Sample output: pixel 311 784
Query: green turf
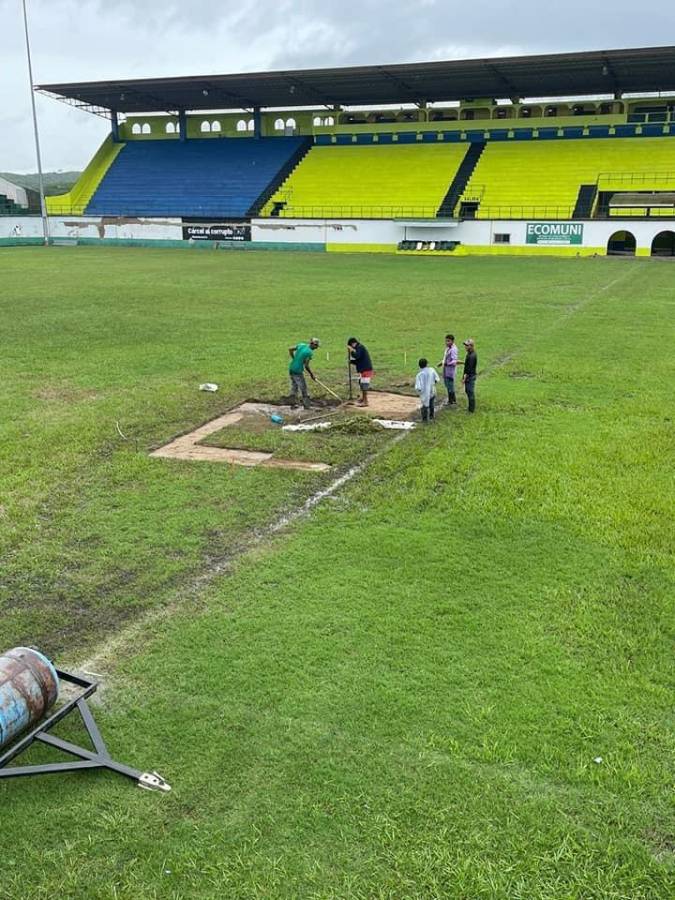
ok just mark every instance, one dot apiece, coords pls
pixel 349 439
pixel 404 696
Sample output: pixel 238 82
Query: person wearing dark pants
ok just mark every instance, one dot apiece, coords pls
pixel 360 358
pixel 301 355
pixel 425 385
pixel 449 364
pixel 429 412
pixel 470 373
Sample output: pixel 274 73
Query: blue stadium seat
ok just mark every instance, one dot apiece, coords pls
pixel 344 139
pixel 323 139
pixel 548 134
pixel 452 136
pixel 522 134
pixel 364 139
pixel 385 138
pixel 201 177
pixel 625 130
pixel 499 134
pixel 407 137
pixel 652 130
pixel 598 131
pixel 576 131
pixel 430 137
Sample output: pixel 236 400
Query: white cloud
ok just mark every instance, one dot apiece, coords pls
pixel 79 40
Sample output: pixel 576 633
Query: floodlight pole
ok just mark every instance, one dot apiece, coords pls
pixel 41 184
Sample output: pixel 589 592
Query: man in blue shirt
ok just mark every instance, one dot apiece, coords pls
pixel 360 358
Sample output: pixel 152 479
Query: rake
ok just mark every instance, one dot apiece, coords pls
pixel 330 390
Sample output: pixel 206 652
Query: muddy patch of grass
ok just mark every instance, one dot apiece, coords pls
pixel 349 438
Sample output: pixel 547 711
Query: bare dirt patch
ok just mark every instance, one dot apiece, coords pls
pixel 64 394
pixel 190 446
pixel 384 405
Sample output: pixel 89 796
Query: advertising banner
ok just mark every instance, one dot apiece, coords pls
pixel 549 234
pixel 216 231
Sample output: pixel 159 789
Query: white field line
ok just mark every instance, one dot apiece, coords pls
pixel 110 650
pixel 566 314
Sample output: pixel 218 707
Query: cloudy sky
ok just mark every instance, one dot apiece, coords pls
pixel 81 40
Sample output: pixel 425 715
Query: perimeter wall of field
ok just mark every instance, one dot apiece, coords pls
pixel 560 238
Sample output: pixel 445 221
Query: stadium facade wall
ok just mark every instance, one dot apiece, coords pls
pixel 14 193
pixel 348 235
pixel 474 236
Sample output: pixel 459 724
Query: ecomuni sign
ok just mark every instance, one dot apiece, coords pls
pixel 560 233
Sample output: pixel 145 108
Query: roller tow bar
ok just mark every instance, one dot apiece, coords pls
pixel 96 758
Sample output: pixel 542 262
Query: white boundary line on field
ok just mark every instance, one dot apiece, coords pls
pixel 566 314
pixel 113 645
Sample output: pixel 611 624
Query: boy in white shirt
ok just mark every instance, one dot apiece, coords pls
pixel 425 385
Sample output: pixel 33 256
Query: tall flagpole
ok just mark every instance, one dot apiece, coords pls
pixel 43 204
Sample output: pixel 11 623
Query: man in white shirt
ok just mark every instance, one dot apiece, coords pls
pixel 425 385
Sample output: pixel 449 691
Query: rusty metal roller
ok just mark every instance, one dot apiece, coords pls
pixel 29 687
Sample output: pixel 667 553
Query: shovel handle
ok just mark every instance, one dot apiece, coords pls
pixel 330 390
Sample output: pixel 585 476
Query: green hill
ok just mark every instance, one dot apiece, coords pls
pixel 55 182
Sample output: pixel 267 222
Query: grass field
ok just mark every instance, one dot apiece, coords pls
pixel 403 694
pixel 350 438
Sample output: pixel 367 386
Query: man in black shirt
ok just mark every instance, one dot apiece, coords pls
pixel 360 358
pixel 470 370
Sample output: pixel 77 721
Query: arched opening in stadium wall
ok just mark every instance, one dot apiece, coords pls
pixel 664 244
pixel 622 243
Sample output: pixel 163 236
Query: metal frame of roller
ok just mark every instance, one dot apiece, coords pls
pixel 98 758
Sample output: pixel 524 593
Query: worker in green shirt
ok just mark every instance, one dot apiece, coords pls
pixel 301 356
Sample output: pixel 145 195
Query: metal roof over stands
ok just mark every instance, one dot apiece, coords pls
pixel 553 75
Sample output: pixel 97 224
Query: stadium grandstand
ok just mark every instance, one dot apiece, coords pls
pixel 15 200
pixel 582 137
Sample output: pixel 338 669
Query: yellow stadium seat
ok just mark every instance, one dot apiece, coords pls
pixel 372 182
pixel 541 179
